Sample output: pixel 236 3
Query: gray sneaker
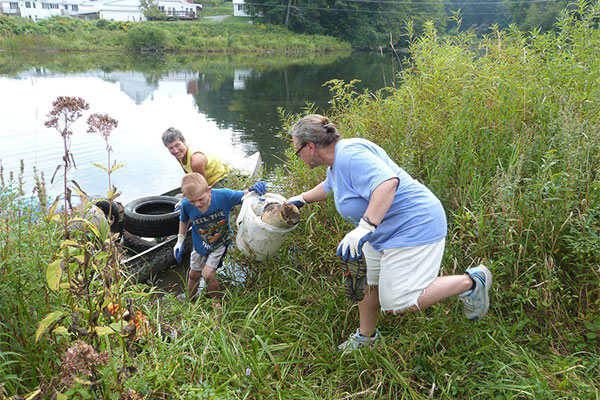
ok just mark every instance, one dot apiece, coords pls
pixel 357 341
pixel 477 301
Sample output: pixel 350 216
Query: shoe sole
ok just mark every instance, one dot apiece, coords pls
pixel 488 284
pixel 356 281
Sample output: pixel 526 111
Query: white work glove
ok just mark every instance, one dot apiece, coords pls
pixel 178 249
pixel 350 248
pixel 298 201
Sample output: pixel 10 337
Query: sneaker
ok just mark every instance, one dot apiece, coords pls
pixel 356 280
pixel 357 341
pixel 477 301
pixel 180 297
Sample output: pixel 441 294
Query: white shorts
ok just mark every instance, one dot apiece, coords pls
pixel 213 260
pixel 403 273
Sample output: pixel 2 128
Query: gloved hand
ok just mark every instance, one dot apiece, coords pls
pixel 178 248
pixel 298 201
pixel 178 206
pixel 350 247
pixel 259 187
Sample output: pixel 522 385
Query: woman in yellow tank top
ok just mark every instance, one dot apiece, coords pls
pixel 212 168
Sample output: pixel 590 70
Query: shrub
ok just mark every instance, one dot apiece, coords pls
pixel 146 37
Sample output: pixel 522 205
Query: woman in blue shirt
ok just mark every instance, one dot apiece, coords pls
pixel 400 228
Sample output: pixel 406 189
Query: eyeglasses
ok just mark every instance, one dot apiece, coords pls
pixel 300 149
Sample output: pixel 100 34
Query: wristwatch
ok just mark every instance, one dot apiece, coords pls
pixel 368 221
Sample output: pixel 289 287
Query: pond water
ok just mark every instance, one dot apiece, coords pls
pixel 224 104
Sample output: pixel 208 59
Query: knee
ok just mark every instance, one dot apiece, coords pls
pixel 195 275
pixel 208 274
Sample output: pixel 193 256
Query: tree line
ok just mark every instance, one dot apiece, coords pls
pixel 373 23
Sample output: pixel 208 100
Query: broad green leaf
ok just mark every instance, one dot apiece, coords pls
pixel 116 167
pixel 104 330
pixel 61 330
pixel 82 195
pixel 52 210
pixel 60 396
pixel 82 381
pixel 69 243
pixel 46 322
pixel 103 168
pixel 53 274
pixel 33 395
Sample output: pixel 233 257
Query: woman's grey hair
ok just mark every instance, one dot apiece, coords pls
pixel 317 129
pixel 171 135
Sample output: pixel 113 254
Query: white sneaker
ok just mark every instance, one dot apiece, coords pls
pixel 357 341
pixel 477 301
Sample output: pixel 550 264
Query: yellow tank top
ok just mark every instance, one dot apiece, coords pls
pixel 215 169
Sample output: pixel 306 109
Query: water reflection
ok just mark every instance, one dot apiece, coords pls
pixel 225 104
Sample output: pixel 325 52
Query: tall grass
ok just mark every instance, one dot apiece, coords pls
pixel 505 131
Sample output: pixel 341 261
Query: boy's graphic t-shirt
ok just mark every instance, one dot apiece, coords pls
pixel 211 229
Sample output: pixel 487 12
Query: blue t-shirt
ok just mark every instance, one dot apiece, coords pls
pixel 416 217
pixel 211 229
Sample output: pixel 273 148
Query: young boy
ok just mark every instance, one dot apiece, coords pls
pixel 208 210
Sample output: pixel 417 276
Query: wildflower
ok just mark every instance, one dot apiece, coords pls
pixel 101 124
pixel 65 111
pixel 80 358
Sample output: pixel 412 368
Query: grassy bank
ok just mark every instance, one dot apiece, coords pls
pixel 505 131
pixel 232 35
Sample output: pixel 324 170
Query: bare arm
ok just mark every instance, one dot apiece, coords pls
pixel 183 227
pixel 381 200
pixel 199 162
pixel 315 194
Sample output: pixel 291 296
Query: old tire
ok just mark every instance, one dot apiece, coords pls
pixel 105 206
pixel 152 216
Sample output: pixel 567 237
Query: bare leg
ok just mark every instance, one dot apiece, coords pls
pixel 442 288
pixel 212 285
pixel 368 310
pixel 193 282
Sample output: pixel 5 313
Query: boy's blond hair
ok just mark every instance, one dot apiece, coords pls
pixel 193 185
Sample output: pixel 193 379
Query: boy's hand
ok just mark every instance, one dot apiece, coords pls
pixel 259 187
pixel 178 249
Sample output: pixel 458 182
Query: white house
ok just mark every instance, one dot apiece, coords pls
pixel 36 9
pixel 112 10
pixel 10 7
pixel 238 8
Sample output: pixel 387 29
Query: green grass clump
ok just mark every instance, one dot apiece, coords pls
pixel 505 131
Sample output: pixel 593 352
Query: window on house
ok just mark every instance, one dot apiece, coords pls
pixel 33 4
pixel 45 6
pixel 239 7
pixel 75 7
pixel 27 4
pixel 55 6
pixel 14 5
